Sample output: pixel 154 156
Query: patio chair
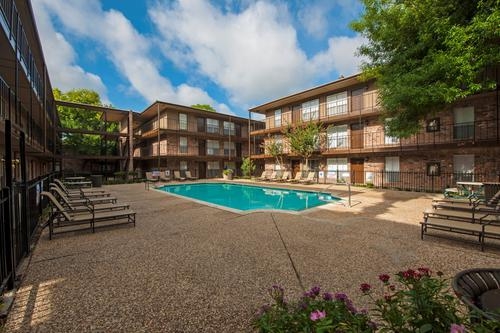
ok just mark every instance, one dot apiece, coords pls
pixel 153 178
pixel 78 191
pixel 263 176
pixel 479 289
pixel 62 218
pixel 80 194
pixel 81 204
pixel 177 176
pixel 297 178
pixel 273 176
pixel 81 201
pixel 189 176
pixel 311 176
pixel 284 177
pixel 165 176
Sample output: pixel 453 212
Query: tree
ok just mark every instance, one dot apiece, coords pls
pixel 247 167
pixel 205 107
pixel 428 53
pixel 274 147
pixel 76 118
pixel 304 139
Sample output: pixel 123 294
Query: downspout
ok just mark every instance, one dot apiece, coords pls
pixel 158 148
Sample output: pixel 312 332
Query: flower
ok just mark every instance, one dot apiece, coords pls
pixel 317 315
pixel 365 288
pixel 384 278
pixel 340 296
pixel 455 328
pixel 327 296
pixel 313 292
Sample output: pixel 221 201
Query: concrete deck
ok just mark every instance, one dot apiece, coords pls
pixel 187 267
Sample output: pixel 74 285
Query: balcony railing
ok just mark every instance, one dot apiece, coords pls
pixel 193 126
pixel 188 151
pixel 375 139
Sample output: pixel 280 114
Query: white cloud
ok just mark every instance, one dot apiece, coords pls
pixel 61 58
pixel 313 18
pixel 253 54
pixel 125 47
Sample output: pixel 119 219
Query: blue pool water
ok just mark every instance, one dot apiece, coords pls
pixel 245 197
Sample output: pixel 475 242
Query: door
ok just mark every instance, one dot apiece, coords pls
pixel 202 170
pixel 357 171
pixel 201 124
pixel 295 167
pixel 357 100
pixel 202 148
pixel 357 136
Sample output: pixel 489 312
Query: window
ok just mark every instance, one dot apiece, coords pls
pixel 392 168
pixel 389 140
pixel 463 167
pixel 336 104
pixel 213 165
pixel 212 125
pixel 463 123
pixel 337 169
pixel 183 121
pixel 229 128
pixel 310 110
pixel 183 145
pixel 229 148
pixel 212 147
pixel 432 125
pixel 277 118
pixel 337 137
pixel 183 165
pixel 163 148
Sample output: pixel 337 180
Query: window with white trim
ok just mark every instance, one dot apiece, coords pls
pixel 183 121
pixel 463 123
pixel 212 125
pixel 183 145
pixel 463 167
pixel 392 168
pixel 310 110
pixel 229 128
pixel 336 104
pixel 337 137
pixel 337 169
pixel 229 148
pixel 213 165
pixel 277 118
pixel 212 147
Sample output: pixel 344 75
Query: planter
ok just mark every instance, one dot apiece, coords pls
pixel 229 176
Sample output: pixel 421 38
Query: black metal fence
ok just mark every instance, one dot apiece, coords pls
pixel 20 210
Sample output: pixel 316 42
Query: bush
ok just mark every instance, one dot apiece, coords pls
pixel 416 301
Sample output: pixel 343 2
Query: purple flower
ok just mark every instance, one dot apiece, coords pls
pixel 263 309
pixel 327 296
pixel 277 293
pixel 340 296
pixel 313 292
pixel 365 288
pixel 317 315
pixel 455 328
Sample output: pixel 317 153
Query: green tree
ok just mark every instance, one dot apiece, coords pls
pixel 428 53
pixel 205 107
pixel 247 167
pixel 274 147
pixel 304 139
pixel 82 119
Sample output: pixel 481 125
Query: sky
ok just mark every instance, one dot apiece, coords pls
pixel 230 54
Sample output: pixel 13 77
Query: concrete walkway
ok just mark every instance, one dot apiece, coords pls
pixel 187 267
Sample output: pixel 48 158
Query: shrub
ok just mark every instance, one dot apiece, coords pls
pixel 247 167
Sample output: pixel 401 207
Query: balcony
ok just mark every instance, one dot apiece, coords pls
pixel 193 151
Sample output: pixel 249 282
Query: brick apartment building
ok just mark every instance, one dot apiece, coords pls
pixel 460 143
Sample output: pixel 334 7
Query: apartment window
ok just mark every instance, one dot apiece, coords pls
pixel 212 147
pixel 229 128
pixel 163 148
pixel 213 165
pixel 463 167
pixel 336 104
pixel 183 121
pixel 183 145
pixel 463 123
pixel 212 125
pixel 310 110
pixel 183 166
pixel 432 125
pixel 392 168
pixel 337 137
pixel 277 118
pixel 229 148
pixel 337 169
pixel 389 140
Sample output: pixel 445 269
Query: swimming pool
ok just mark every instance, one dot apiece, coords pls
pixel 246 197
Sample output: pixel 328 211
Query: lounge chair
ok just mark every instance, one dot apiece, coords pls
pixel 177 176
pixel 309 179
pixel 80 194
pixel 80 190
pixel 81 201
pixel 297 178
pixel 263 176
pixel 62 218
pixel 477 288
pixel 81 204
pixel 165 176
pixel 189 176
pixel 284 177
pixel 273 176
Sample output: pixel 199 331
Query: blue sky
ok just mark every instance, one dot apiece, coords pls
pixel 230 54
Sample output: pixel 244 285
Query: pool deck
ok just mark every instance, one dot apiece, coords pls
pixel 188 267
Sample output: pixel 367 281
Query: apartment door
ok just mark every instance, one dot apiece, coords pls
pixel 295 167
pixel 357 171
pixel 357 100
pixel 357 135
pixel 201 124
pixel 202 170
pixel 202 148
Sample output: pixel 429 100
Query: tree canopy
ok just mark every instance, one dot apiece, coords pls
pixel 428 53
pixel 77 118
pixel 304 139
pixel 205 107
pixel 274 147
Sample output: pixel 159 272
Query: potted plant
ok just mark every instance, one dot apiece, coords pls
pixel 227 174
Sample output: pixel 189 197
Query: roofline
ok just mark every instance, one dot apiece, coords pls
pixel 261 108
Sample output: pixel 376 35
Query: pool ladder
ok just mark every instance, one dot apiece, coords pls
pixel 325 191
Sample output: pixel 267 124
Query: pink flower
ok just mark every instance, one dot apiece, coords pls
pixel 455 328
pixel 384 278
pixel 317 315
pixel 365 287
